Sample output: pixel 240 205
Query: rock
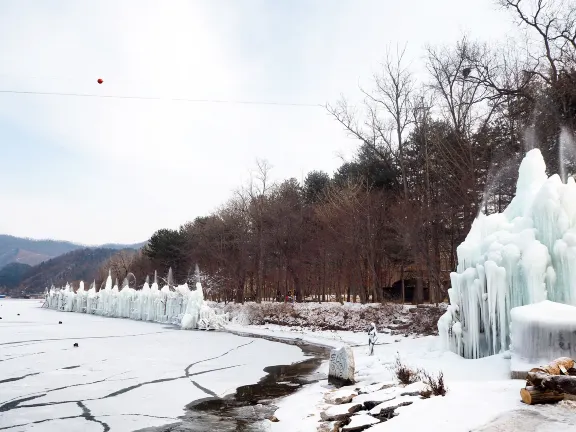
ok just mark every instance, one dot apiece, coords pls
pixel 368 405
pixel 375 387
pixel 340 412
pixel 339 397
pixel 385 410
pixel 360 422
pixel 274 419
pixel 370 400
pixel 414 393
pixel 402 326
pixel 342 366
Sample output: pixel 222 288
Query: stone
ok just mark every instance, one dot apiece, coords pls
pixel 360 422
pixel 375 387
pixel 339 397
pixel 274 419
pixel 340 412
pixel 385 410
pixel 342 366
pixel 370 400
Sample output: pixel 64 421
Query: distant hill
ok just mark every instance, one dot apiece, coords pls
pixel 81 264
pixel 12 274
pixel 33 252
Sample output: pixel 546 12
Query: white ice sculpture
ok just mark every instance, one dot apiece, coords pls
pixel 524 255
pixel 179 306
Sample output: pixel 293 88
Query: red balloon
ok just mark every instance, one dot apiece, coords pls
pixel 100 80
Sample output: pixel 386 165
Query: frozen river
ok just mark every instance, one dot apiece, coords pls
pixel 123 376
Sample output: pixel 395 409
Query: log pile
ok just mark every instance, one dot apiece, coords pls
pixel 551 383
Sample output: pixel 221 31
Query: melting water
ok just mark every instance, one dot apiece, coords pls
pixel 247 409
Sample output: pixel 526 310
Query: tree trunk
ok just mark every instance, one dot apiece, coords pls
pixel 240 291
pixel 402 282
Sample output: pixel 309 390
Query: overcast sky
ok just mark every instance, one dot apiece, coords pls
pixel 97 170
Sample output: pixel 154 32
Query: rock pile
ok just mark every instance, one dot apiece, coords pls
pixel 354 409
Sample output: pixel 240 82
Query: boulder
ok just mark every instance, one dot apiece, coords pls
pixel 342 367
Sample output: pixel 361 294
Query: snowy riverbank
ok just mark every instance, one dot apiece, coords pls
pixel 481 395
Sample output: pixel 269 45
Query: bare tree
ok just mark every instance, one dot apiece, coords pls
pixel 388 112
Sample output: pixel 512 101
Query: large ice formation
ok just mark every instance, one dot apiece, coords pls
pixel 524 255
pixel 543 331
pixel 172 305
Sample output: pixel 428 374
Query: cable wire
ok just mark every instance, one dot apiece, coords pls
pixel 215 101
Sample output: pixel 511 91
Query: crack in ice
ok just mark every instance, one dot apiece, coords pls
pixel 187 370
pixel 20 356
pixel 205 390
pixel 16 404
pixel 87 414
pixel 33 341
pixel 7 380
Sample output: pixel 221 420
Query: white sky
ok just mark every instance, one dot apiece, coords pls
pixel 96 170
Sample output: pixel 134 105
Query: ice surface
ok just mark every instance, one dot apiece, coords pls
pixel 130 375
pixel 524 255
pixel 542 332
pixel 173 306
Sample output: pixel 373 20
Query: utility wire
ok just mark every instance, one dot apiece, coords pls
pixel 215 101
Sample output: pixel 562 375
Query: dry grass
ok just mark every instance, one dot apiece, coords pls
pixel 435 384
pixel 405 374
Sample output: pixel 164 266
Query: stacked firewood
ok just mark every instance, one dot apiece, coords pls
pixel 551 383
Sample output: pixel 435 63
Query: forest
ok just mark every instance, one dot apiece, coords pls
pixel 432 154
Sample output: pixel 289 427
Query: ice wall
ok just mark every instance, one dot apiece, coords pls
pixel 524 255
pixel 172 306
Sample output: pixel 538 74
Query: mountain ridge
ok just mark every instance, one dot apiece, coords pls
pixel 79 264
pixel 25 250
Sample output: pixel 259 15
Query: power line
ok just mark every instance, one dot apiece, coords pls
pixel 215 101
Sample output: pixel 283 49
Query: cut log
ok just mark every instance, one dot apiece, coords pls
pixel 558 383
pixel 533 396
pixel 560 366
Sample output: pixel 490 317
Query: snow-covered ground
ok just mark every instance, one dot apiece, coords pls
pixel 124 375
pixel 481 396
